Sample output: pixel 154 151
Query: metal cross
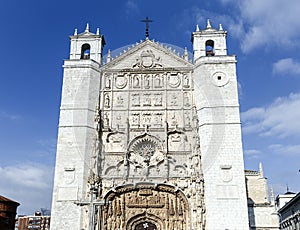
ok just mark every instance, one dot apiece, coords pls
pixel 147 20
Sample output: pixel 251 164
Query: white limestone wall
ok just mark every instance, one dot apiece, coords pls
pixel 217 106
pixel 81 85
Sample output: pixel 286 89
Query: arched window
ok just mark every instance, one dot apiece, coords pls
pixel 209 48
pixel 85 51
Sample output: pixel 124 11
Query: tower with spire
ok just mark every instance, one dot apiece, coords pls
pixel 217 105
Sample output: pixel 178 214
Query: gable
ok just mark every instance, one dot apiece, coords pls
pixel 146 55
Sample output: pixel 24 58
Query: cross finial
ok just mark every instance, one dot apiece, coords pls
pixel 147 20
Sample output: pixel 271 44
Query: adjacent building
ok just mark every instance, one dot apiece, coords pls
pixel 289 213
pixel 36 221
pixel 8 211
pixel 261 203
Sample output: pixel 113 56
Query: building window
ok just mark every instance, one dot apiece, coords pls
pixel 85 51
pixel 209 48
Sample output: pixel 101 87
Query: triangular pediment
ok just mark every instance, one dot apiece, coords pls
pixel 148 55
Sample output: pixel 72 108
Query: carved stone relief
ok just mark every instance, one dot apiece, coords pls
pixel 159 205
pixel 106 120
pixel 174 79
pixel 107 100
pixel 108 78
pixel 135 99
pixel 186 99
pixel 157 99
pixel 147 99
pixel 147 59
pixel 158 81
pixel 136 81
pixel 121 81
pixel 186 81
pixel 147 81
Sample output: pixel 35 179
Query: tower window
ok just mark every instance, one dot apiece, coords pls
pixel 85 51
pixel 209 48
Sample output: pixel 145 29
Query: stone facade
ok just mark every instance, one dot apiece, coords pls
pixel 261 206
pixel 150 138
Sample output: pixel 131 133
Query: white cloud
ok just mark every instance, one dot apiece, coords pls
pixel 29 184
pixel 285 149
pixel 131 7
pixel 266 23
pixel 8 116
pixel 252 152
pixel 286 66
pixel 280 119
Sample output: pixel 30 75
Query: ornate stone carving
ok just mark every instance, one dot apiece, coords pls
pixel 107 81
pixel 186 80
pixel 162 206
pixel 147 59
pixel 158 81
pixel 145 151
pixel 186 99
pixel 106 100
pixel 136 81
pixel 174 79
pixel 157 99
pixel 147 81
pixel 121 81
pixel 135 99
pixel 147 99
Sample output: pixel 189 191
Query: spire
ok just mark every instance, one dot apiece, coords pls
pixel 87 28
pixel 272 197
pixel 208 24
pixel 108 58
pixel 220 27
pixel 261 172
pixel 197 28
pixel 185 54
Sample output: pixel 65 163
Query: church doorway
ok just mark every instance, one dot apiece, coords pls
pixel 145 226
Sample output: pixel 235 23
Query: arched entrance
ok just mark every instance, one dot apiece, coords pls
pixel 146 226
pixel 145 206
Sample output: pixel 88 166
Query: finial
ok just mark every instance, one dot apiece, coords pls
pixel 208 24
pixel 75 32
pixel 272 197
pixel 287 188
pixel 185 54
pixel 197 28
pixel 147 20
pixel 87 28
pixel 261 171
pixel 220 27
pixel 108 58
pixel 98 31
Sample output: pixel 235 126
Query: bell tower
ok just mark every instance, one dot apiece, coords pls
pixel 216 99
pixel 87 45
pixel 76 131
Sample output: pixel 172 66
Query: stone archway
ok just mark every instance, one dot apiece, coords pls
pixel 158 206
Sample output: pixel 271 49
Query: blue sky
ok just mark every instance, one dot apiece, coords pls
pixel 265 36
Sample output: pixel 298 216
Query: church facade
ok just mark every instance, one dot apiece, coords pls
pixel 150 139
